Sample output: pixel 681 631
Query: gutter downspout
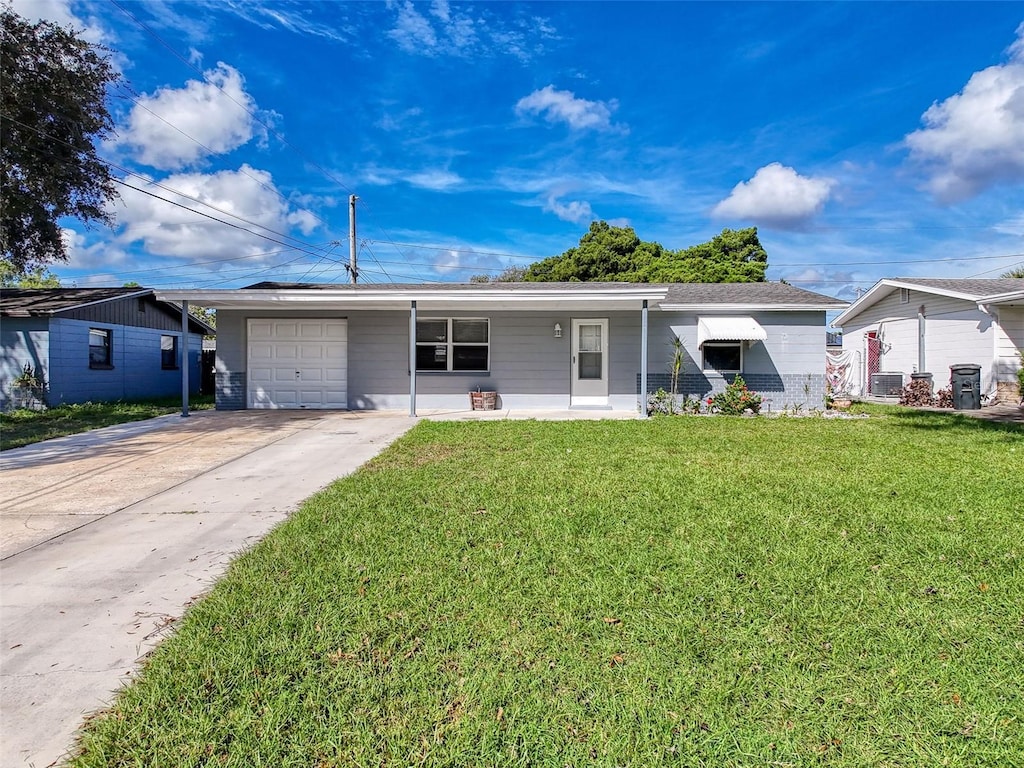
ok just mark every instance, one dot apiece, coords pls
pixel 184 359
pixel 643 361
pixel 412 360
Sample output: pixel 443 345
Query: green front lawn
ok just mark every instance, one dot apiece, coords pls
pixel 23 427
pixel 691 591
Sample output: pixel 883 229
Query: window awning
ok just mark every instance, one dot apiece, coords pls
pixel 734 328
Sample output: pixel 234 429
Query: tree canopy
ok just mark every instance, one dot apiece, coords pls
pixel 616 254
pixel 39 277
pixel 52 93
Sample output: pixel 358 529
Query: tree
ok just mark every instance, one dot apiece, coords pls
pixel 53 94
pixel 511 274
pixel 40 277
pixel 617 254
pixel 1018 272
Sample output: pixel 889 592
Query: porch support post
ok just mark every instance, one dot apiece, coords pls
pixel 643 361
pixel 920 339
pixel 412 360
pixel 184 359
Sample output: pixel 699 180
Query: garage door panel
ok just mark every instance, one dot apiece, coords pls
pixel 316 350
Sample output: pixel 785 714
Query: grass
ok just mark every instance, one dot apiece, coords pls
pixel 690 591
pixel 23 427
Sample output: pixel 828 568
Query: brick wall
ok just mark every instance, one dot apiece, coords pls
pixel 787 390
pixel 230 391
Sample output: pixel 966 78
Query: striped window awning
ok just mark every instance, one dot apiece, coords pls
pixel 734 328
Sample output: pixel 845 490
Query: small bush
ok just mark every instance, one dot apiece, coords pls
pixel 661 402
pixel 736 399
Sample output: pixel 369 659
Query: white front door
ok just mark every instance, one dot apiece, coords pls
pixel 297 364
pixel 589 362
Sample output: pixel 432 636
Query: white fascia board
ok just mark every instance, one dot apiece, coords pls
pixel 1002 298
pixel 884 287
pixel 751 307
pixel 369 298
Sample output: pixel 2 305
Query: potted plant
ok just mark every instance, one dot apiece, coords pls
pixel 28 389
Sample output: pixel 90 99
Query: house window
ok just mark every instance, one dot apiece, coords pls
pixel 168 352
pixel 904 295
pixel 723 356
pixel 452 344
pixel 100 348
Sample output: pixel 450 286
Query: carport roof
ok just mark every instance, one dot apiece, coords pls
pixel 524 296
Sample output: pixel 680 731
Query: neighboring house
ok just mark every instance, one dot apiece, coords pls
pixel 96 344
pixel 910 325
pixel 539 345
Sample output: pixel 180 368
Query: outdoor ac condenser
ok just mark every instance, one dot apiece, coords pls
pixel 886 384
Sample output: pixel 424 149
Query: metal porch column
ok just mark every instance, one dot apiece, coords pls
pixel 412 360
pixel 643 361
pixel 184 359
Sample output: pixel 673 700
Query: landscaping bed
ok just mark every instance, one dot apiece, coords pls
pixel 719 592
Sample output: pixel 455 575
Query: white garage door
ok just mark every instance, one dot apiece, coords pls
pixel 298 364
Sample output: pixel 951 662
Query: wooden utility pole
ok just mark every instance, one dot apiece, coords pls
pixel 353 271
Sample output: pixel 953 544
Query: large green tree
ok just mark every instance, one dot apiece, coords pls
pixel 39 277
pixel 617 254
pixel 52 111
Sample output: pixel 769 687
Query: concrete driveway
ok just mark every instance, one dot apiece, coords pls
pixel 108 537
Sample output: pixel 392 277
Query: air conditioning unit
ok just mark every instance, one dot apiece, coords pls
pixel 886 384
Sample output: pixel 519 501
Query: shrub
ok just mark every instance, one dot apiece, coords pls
pixel 736 399
pixel 661 402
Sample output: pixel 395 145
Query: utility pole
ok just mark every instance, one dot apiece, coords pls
pixel 353 271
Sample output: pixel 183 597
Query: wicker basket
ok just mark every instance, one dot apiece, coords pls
pixel 483 401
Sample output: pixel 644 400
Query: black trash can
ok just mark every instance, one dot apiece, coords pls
pixel 965 381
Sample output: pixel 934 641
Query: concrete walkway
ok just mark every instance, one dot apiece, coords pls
pixel 110 536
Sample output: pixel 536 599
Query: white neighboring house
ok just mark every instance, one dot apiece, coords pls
pixel 910 325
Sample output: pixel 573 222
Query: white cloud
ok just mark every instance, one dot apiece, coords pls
pixel 563 106
pixel 437 180
pixel 975 138
pixel 60 13
pixel 777 196
pixel 164 229
pixel 575 211
pixel 465 31
pixel 216 113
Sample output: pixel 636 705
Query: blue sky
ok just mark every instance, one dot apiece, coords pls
pixel 865 140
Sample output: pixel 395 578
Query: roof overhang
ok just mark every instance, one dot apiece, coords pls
pixel 885 286
pixel 429 299
pixel 729 328
pixel 1012 299
pixel 823 307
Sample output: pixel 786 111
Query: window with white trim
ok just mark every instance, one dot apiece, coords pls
pixel 453 344
pixel 723 356
pixel 904 295
pixel 101 348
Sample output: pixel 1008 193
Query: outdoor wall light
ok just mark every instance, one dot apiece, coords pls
pixel 558 330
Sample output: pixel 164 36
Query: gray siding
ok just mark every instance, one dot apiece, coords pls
pixel 144 312
pixel 24 340
pixel 530 368
pixel 788 367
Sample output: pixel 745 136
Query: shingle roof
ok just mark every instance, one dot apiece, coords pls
pixel 25 302
pixel 676 293
pixel 977 287
pixel 746 293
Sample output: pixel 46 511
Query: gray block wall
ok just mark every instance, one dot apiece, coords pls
pixel 785 392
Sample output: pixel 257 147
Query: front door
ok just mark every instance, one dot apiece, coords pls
pixel 589 362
